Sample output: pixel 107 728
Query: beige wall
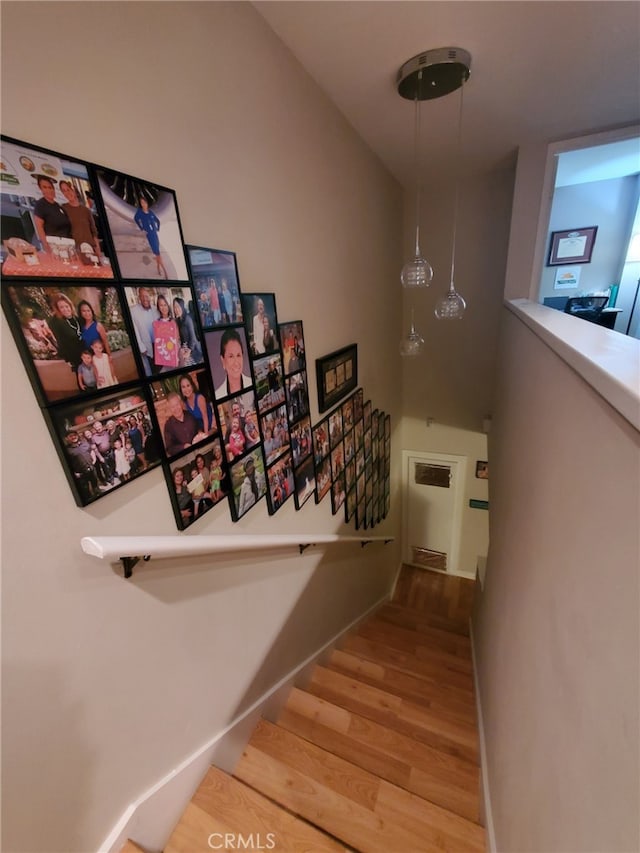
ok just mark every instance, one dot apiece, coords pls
pixel 556 630
pixel 109 684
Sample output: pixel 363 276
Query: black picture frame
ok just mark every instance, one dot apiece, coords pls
pixel 258 309
pixel 93 472
pixel 243 496
pixel 184 409
pixel 144 226
pixel 239 438
pixel 336 375
pixel 293 347
pixel 194 496
pixel 62 236
pixel 274 426
pixel 297 394
pixel 305 482
pixel 482 470
pixel 226 348
pixel 218 269
pixel 280 481
pixel 73 338
pixel 572 246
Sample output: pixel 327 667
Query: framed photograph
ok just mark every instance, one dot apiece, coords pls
pixel 366 415
pixel 197 482
pixel 347 415
pixel 574 246
pixel 248 483
pixel 261 323
pixel 360 515
pixel 297 396
pixel 337 376
pixel 292 340
pixel 217 286
pixel 358 434
pixel 105 442
pixel 349 445
pixel 269 382
pixel 281 483
pixel 350 475
pixel 72 337
pixel 358 405
pixel 482 470
pixel 301 440
pixel 321 441
pixel 305 482
pixel 323 478
pixel 183 404
pixel 335 427
pixel 51 227
pixel 238 425
pixel 338 494
pixel 275 433
pixel 350 505
pixel 337 461
pixel 167 334
pixel 229 361
pixel 145 228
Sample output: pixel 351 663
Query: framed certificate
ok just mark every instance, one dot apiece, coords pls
pixel 571 247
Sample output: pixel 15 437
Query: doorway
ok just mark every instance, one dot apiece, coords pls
pixel 433 489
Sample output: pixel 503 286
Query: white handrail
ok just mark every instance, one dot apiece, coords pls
pixel 129 549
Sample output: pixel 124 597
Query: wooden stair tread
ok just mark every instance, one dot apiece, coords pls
pixel 367 813
pixel 438 730
pixel 436 776
pixel 420 689
pixel 430 668
pixel 223 805
pixel 444 600
pixel 415 644
pixel 394 617
pixel 131 847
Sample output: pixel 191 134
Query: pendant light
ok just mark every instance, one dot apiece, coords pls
pixel 414 342
pixel 452 306
pixel 417 272
pixel 427 76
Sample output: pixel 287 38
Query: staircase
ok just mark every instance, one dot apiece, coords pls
pixel 377 753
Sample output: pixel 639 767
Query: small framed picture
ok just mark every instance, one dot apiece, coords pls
pixel 238 424
pixel 358 405
pixel 167 333
pixel 321 441
pixel 145 228
pixel 105 442
pixel 301 440
pixel 183 404
pixel 574 246
pixel 261 323
pixel 229 360
pixel 350 505
pixel 72 337
pixel 281 482
pixel 337 461
pixel 269 382
pixel 292 340
pixel 349 446
pixel 337 376
pixel 275 433
pixel 350 475
pixel 347 414
pixel 482 470
pixel 297 396
pixel 335 427
pixel 338 494
pixel 305 482
pixel 197 482
pixel 51 227
pixel 248 483
pixel 323 478
pixel 217 286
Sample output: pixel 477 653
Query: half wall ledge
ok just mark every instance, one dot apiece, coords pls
pixel 129 550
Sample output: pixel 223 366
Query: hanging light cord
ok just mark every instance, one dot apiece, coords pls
pixel 416 147
pixel 457 189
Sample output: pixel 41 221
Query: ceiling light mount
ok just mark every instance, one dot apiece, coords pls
pixel 434 73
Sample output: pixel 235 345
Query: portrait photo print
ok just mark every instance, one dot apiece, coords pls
pixel 145 228
pixel 50 224
pixel 261 323
pixel 72 337
pixel 215 279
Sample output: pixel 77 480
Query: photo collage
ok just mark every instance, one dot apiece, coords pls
pixel 143 352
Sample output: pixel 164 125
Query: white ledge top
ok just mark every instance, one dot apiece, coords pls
pixel 607 360
pixel 116 547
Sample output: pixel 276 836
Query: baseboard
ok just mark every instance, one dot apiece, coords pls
pixel 485 797
pixel 150 820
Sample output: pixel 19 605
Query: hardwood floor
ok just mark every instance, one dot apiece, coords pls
pixel 378 753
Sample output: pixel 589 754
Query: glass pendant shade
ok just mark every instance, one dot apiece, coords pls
pixel 450 307
pixel 413 343
pixel 416 273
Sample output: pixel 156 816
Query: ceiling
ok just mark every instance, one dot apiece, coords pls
pixel 540 71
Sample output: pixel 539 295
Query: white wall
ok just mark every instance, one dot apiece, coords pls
pixel 556 629
pixel 108 684
pixel 439 438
